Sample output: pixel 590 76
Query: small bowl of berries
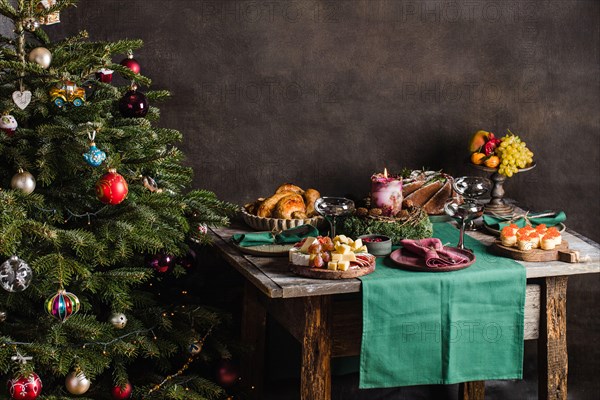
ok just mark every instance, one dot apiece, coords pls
pixel 378 245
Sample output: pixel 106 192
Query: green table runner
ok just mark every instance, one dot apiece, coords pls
pixel 446 327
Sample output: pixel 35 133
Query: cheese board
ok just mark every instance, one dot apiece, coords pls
pixel 561 253
pixel 325 258
pixel 323 273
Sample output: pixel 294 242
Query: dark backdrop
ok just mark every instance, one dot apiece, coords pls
pixel 323 93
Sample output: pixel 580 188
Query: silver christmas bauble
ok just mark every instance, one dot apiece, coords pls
pixel 24 181
pixel 3 315
pixel 77 383
pixel 118 320
pixel 41 56
pixel 15 275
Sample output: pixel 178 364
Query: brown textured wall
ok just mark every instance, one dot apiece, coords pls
pixel 323 93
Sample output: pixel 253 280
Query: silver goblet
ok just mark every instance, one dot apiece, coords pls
pixel 333 207
pixel 471 188
pixel 463 213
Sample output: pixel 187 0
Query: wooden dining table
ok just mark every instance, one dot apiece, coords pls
pixel 325 316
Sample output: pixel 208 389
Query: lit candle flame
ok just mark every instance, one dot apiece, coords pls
pixel 385 173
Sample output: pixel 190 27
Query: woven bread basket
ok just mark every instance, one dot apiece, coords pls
pixel 277 224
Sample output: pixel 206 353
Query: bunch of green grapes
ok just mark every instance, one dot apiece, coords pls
pixel 513 154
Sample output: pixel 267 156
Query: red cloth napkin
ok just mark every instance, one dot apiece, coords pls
pixel 434 252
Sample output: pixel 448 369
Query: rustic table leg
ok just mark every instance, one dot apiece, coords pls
pixel 254 320
pixel 315 379
pixel 552 343
pixel 471 390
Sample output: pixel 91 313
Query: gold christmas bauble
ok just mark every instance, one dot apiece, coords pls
pixel 41 56
pixel 77 383
pixel 24 181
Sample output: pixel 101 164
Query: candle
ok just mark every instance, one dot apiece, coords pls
pixel 386 193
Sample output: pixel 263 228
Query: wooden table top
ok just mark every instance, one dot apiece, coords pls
pixel 272 277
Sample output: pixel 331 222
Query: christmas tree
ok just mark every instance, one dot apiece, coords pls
pixel 95 210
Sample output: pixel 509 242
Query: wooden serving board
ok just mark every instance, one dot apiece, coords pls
pixel 561 253
pixel 324 273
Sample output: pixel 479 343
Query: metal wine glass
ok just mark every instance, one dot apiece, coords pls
pixel 463 213
pixel 333 207
pixel 471 188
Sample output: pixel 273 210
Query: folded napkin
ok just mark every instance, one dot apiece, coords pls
pixel 549 218
pixel 433 252
pixel 292 235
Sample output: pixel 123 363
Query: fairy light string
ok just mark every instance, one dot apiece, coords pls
pixel 104 344
pixel 185 366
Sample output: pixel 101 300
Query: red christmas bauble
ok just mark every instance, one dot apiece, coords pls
pixel 25 387
pixel 119 393
pixel 111 188
pixel 227 373
pixel 132 64
pixel 161 262
pixel 133 104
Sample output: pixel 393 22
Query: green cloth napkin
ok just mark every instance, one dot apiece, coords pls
pixel 499 222
pixel 443 327
pixel 292 235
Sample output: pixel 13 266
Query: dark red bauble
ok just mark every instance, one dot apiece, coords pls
pixel 188 261
pixel 25 387
pixel 227 373
pixel 119 393
pixel 111 188
pixel 133 104
pixel 161 262
pixel 132 64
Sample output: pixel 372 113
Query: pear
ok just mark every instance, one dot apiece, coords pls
pixel 478 140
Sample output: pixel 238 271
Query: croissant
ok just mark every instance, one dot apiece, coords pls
pixel 266 208
pixel 288 205
pixel 310 196
pixel 288 187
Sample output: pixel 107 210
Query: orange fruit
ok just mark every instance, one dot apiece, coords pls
pixel 477 158
pixel 492 162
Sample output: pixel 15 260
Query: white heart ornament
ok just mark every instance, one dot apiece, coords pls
pixel 22 99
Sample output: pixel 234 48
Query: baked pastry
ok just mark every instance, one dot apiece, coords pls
pixel 525 242
pixel 266 207
pixel 288 187
pixel 310 196
pixel 429 190
pixel 547 242
pixel 508 236
pixel 432 206
pixel 290 203
pixel 299 215
pixel 554 234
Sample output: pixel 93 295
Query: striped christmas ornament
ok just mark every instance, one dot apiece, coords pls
pixel 62 305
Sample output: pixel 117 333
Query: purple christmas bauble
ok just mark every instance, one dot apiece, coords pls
pixel 161 262
pixel 188 261
pixel 133 104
